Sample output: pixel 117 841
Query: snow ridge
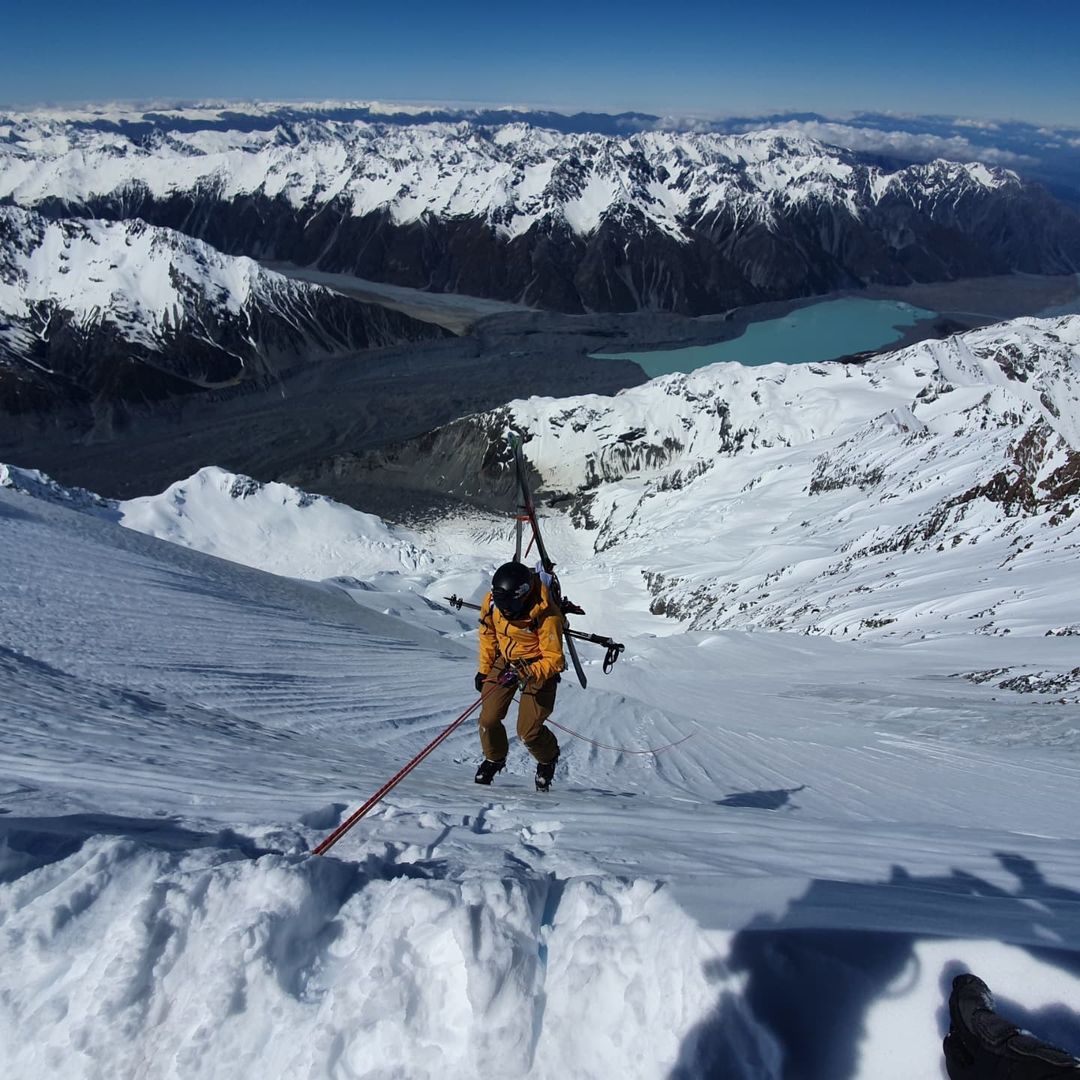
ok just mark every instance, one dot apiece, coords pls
pixel 36 484
pixel 143 280
pixel 137 311
pixel 274 527
pixel 140 278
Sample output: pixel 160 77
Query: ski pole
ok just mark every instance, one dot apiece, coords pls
pixel 390 784
pixel 614 649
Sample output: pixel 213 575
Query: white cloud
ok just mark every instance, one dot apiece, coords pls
pixel 918 146
pixel 979 125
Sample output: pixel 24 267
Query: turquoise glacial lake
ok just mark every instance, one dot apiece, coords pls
pixel 824 331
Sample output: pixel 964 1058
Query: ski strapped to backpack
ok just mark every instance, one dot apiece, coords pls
pixel 527 514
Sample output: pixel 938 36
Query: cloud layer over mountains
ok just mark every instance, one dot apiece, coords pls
pixel 1050 153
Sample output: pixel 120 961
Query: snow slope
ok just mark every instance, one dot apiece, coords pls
pixel 279 529
pixel 138 276
pixel 127 309
pixel 785 895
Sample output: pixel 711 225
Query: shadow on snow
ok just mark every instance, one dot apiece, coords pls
pixel 761 800
pixel 808 990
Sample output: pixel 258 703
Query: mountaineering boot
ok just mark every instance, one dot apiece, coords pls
pixel 486 773
pixel 981 1043
pixel 545 770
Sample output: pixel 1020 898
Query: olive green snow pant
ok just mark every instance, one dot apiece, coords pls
pixel 536 706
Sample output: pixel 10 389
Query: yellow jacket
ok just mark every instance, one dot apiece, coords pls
pixel 536 637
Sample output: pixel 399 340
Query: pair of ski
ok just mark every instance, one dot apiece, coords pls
pixel 527 513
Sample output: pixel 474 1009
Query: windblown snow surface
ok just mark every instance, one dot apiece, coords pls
pixel 786 894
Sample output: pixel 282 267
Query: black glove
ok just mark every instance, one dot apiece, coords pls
pixel 983 1046
pixel 478 682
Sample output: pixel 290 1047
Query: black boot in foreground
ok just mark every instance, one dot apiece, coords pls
pixel 984 1046
pixel 486 773
pixel 545 770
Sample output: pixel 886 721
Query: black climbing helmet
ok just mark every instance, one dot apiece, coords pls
pixel 511 586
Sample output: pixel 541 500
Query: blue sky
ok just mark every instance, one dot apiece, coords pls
pixel 993 59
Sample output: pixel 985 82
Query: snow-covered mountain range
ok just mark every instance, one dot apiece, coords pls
pixel 656 220
pixel 129 312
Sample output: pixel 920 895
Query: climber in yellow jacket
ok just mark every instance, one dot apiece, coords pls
pixel 521 646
